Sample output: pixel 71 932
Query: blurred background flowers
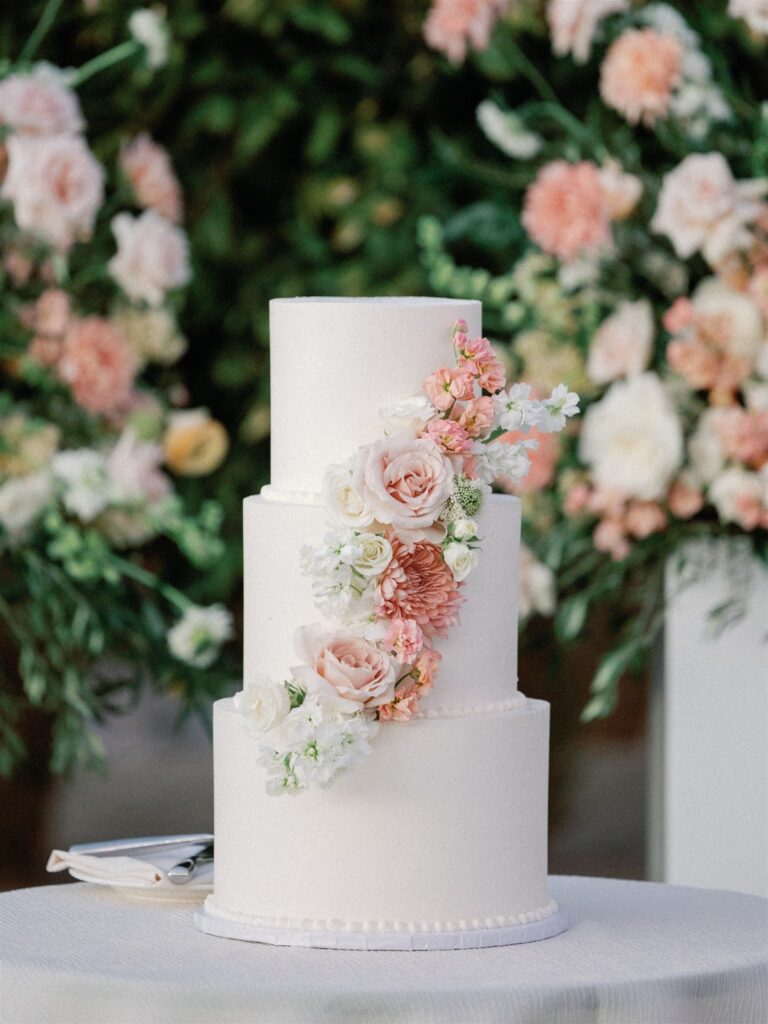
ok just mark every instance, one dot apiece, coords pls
pixel 593 170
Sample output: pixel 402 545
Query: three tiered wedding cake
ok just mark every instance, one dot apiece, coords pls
pixel 419 819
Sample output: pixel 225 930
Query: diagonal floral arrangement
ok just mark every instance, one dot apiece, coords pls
pixel 389 575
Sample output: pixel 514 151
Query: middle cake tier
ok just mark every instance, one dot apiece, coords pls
pixel 479 667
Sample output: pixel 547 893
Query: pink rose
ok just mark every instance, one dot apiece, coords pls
pixel 623 343
pixel 98 365
pixel 346 671
pixel 56 187
pixel 639 74
pixel 405 638
pixel 403 482
pixel 40 103
pixel 148 169
pixel 151 257
pixel 565 210
pixel 445 386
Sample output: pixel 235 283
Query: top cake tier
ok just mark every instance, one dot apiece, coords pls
pixel 336 362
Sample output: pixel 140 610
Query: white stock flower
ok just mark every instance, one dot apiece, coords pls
pixel 507 131
pixel 702 208
pixel 623 343
pixel 464 529
pixel 407 416
pixel 342 502
pixel 82 474
pixel 632 439
pixel 753 12
pixel 536 583
pixel 373 554
pixel 460 559
pixel 199 633
pixel 560 405
pixel 152 257
pixel 147 26
pixel 22 499
pixel 263 703
pixel 514 409
pixel 500 459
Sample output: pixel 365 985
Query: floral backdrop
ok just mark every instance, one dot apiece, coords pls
pixel 593 170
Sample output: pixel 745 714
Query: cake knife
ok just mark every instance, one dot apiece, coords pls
pixel 182 872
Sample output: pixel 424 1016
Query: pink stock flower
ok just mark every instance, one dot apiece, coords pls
pixel 639 74
pixel 444 386
pixel 565 210
pixel 405 638
pixel 345 670
pixel 684 499
pixel 427 667
pixel 454 25
pixel 479 359
pixel 40 103
pixel 476 417
pixel 743 434
pixel 643 518
pixel 404 706
pixel 418 585
pixel 151 259
pixel 573 24
pixel 609 536
pixel 148 169
pixel 452 438
pixel 98 366
pixel 56 187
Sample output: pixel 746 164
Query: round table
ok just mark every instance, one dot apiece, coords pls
pixel 635 952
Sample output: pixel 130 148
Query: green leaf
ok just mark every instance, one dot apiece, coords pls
pixel 571 616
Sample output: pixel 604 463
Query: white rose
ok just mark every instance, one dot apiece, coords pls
pixel 152 257
pixel 373 554
pixel 632 438
pixel 407 416
pixel 263 703
pixel 465 529
pixel 342 501
pixel 22 499
pixel 738 314
pixel 623 342
pixel 460 559
pixel 705 450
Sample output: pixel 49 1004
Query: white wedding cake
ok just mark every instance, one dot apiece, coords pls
pixel 357 805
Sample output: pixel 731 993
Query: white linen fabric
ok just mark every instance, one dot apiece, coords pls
pixel 635 953
pixel 148 872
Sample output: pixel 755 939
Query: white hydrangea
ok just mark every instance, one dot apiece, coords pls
pixel 316 744
pixel 560 405
pixel 147 26
pixel 507 131
pixel 84 481
pixel 22 499
pixel 199 633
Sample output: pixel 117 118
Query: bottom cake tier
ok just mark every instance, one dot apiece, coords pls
pixel 437 840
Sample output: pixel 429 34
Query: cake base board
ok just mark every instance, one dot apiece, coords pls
pixel 480 938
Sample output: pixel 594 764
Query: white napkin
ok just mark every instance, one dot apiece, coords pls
pixel 112 870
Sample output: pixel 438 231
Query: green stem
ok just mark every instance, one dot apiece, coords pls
pixel 105 60
pixel 40 30
pixel 148 579
pixel 534 76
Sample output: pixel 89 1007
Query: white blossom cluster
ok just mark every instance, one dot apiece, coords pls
pixel 344 570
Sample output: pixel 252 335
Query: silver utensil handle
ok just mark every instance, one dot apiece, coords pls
pixel 182 872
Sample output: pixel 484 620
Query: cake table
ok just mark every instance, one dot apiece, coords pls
pixel 635 951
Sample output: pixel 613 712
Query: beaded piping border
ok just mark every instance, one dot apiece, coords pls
pixel 380 927
pixel 469 710
pixel 278 497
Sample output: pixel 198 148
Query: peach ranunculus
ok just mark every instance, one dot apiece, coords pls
pixel 56 187
pixel 565 210
pixel 453 25
pixel 623 342
pixel 609 536
pixel 343 670
pixel 98 366
pixel 404 483
pixel 417 584
pixel 148 168
pixel 39 102
pixel 639 74
pixel 152 257
pixel 404 706
pixel 573 24
pixel 701 208
pixel 194 443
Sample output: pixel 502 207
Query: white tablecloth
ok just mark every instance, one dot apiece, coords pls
pixel 635 953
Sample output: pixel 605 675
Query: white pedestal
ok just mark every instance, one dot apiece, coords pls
pixel 709 805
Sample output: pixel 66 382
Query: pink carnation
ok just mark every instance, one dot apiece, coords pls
pixel 405 638
pixel 639 74
pixel 97 364
pixel 418 585
pixel 148 169
pixel 565 210
pixel 444 386
pixel 453 25
pixel 39 103
pixel 449 435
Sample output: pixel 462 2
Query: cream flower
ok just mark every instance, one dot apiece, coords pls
pixel 738 496
pixel 622 191
pixel 702 208
pixel 82 475
pixel 623 343
pixel 151 259
pixel 342 501
pixel 263 703
pixel 152 334
pixel 705 449
pixel 464 529
pixel 460 559
pixel 372 555
pixel 632 439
